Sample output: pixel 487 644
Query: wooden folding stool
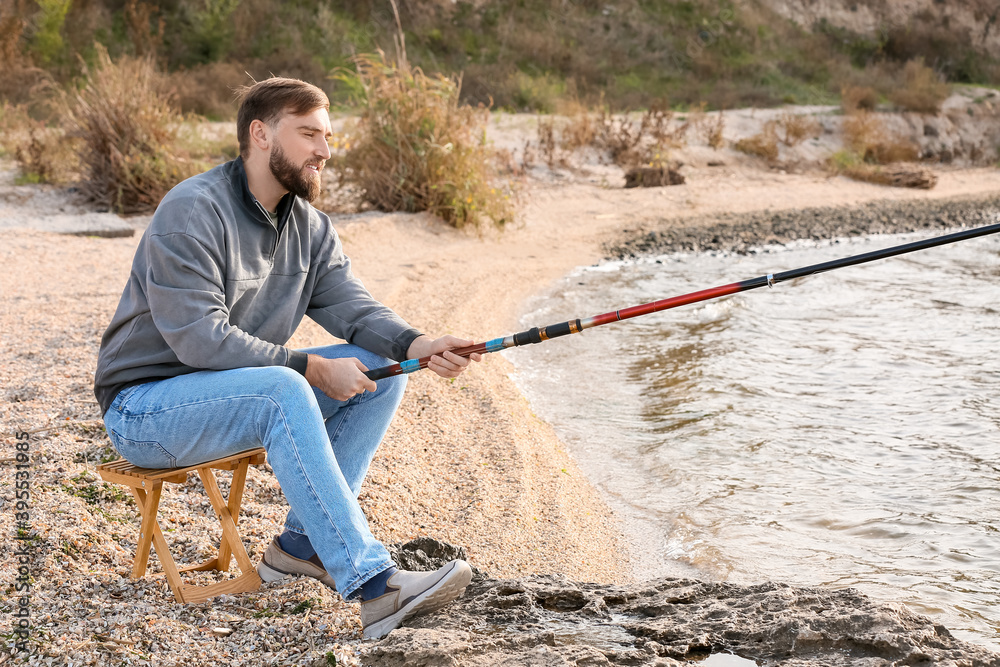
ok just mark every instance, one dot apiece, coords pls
pixel 146 484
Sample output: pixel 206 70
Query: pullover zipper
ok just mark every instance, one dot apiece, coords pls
pixel 277 234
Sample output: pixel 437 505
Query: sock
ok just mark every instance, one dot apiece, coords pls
pixel 376 586
pixel 296 544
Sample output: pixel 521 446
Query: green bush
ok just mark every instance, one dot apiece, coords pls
pixel 48 42
pixel 414 148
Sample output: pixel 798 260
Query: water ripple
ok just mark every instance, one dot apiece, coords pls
pixel 836 430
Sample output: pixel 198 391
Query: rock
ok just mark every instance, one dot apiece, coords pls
pixel 549 620
pixel 652 177
pixel 908 176
pixel 742 232
pixel 425 554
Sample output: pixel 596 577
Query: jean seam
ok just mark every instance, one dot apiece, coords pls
pixel 207 401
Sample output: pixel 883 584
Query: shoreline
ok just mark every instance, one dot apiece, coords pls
pixel 744 232
pixel 600 237
pixel 655 618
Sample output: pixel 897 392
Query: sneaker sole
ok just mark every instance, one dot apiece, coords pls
pixel 268 574
pixel 451 586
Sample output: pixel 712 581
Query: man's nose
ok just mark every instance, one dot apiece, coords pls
pixel 324 149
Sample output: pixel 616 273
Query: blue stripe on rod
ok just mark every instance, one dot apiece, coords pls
pixel 494 345
pixel 410 365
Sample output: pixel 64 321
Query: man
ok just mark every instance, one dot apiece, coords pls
pixel 194 367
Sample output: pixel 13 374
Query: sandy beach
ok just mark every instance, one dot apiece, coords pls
pixel 466 461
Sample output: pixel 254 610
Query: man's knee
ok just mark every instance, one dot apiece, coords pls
pixel 285 386
pixel 392 386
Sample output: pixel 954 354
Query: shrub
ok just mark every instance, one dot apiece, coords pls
pixel 48 42
pixel 44 154
pixel 866 135
pixel 206 90
pixel 792 128
pixel 854 98
pixel 922 91
pixel 630 145
pixel 581 130
pixel 415 149
pixel 709 129
pixel 763 144
pixel 128 132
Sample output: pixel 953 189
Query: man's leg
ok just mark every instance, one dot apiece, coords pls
pixel 209 414
pixel 355 428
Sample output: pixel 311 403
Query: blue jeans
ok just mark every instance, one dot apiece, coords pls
pixel 319 448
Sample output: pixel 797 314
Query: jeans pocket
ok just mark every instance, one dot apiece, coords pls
pixel 146 454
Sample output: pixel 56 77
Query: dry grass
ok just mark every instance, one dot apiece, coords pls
pixel 648 142
pixel 792 129
pixel 44 154
pixel 922 91
pixel 581 130
pixel 764 144
pixel 128 132
pixel 414 148
pixel 855 98
pixel 206 90
pixel 708 129
pixel 789 129
pixel 866 135
pixel 874 154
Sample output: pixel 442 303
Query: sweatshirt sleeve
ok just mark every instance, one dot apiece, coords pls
pixel 342 305
pixel 187 302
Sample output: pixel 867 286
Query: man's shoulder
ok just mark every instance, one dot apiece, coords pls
pixel 196 200
pixel 216 183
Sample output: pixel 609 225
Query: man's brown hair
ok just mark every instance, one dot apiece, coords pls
pixel 269 99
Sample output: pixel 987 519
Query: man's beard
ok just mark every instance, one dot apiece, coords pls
pixel 293 178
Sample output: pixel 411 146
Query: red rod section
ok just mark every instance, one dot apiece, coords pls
pixel 672 302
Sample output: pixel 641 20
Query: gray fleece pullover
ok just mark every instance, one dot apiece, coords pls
pixel 215 286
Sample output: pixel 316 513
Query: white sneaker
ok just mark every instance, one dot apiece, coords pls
pixel 412 593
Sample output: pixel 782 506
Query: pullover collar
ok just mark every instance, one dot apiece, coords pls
pixel 238 177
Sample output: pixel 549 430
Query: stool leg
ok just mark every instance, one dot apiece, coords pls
pixel 229 532
pixel 148 505
pixel 235 500
pixel 149 531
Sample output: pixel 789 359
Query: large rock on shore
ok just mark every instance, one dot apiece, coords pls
pixel 550 620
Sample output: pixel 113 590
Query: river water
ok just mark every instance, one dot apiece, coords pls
pixel 837 430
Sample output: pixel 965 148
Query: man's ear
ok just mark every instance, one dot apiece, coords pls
pixel 260 135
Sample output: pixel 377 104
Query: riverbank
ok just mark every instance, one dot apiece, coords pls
pixel 466 462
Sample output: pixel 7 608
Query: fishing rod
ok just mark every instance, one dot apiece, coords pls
pixel 537 335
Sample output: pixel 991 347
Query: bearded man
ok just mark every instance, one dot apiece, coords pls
pixel 194 365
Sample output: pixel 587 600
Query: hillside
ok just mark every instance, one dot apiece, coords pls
pixel 920 26
pixel 533 55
